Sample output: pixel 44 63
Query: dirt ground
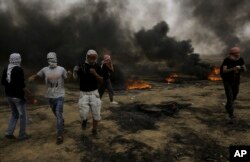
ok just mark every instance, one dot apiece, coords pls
pixel 198 132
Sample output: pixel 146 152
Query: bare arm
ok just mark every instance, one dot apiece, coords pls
pixel 68 76
pixel 110 66
pixel 244 68
pixel 33 77
pixel 225 70
pixel 75 70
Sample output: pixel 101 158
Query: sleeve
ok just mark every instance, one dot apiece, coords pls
pixel 41 73
pixel 225 62
pixel 99 70
pixel 20 78
pixel 107 68
pixel 64 74
pixel 242 62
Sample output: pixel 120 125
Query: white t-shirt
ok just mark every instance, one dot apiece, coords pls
pixel 54 79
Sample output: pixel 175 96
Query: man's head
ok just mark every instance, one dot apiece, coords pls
pixel 234 53
pixel 91 57
pixel 15 58
pixel 52 59
pixel 106 59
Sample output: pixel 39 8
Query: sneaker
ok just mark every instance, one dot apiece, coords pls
pixel 10 136
pixel 84 124
pixel 59 140
pixel 114 102
pixel 25 137
pixel 95 134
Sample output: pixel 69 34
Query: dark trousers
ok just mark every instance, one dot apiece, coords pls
pixel 231 90
pixel 107 85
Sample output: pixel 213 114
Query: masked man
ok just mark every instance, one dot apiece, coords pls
pixel 54 76
pixel 231 69
pixel 89 74
pixel 107 69
pixel 13 81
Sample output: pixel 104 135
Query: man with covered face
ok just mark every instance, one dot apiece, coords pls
pixel 54 76
pixel 13 81
pixel 231 69
pixel 107 69
pixel 89 74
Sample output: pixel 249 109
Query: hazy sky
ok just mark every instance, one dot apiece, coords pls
pixel 146 13
pixel 183 25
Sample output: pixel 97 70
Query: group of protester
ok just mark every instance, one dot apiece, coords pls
pixel 91 77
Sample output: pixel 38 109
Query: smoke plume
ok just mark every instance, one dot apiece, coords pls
pixel 227 19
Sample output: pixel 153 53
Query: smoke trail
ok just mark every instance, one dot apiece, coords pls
pixel 225 18
pixel 31 31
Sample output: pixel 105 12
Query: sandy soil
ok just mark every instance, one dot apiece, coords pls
pixel 196 133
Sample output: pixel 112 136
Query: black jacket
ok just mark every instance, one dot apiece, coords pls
pixel 16 87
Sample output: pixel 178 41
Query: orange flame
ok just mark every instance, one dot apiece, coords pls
pixel 214 75
pixel 171 78
pixel 137 84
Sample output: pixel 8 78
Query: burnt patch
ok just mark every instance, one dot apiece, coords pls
pixel 216 118
pixel 199 147
pixel 132 150
pixel 134 117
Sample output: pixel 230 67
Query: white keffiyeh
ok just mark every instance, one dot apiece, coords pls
pixel 52 59
pixel 14 60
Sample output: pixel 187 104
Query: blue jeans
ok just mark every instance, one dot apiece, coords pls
pixel 18 109
pixel 56 105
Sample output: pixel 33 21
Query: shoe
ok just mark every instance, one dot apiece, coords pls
pixel 95 134
pixel 231 116
pixel 114 102
pixel 25 137
pixel 10 136
pixel 59 140
pixel 84 124
pixel 231 120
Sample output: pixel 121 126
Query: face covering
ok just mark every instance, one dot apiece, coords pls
pixel 232 51
pixel 234 58
pixel 106 60
pixel 89 54
pixel 52 59
pixel 14 60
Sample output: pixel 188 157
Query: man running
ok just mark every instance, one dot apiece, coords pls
pixel 231 69
pixel 89 74
pixel 54 76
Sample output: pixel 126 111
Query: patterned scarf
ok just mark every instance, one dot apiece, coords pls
pixel 14 60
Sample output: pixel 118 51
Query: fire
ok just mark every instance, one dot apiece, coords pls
pixel 215 75
pixel 137 84
pixel 172 78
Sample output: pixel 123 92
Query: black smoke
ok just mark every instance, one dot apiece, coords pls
pixel 223 18
pixel 179 55
pixel 31 31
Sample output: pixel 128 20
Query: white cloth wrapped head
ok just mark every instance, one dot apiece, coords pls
pixel 91 57
pixel 14 60
pixel 52 59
